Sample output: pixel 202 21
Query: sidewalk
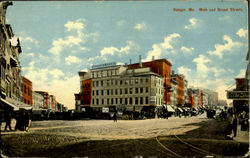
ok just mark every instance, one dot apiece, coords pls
pixel 242 136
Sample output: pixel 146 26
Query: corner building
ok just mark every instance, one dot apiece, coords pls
pixel 133 90
pixel 161 67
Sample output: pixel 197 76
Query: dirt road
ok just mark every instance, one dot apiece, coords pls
pixel 129 138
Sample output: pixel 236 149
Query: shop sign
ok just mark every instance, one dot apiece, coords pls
pixel 153 99
pixel 238 95
pixel 105 110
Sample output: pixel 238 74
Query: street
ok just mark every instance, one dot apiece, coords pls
pixel 129 138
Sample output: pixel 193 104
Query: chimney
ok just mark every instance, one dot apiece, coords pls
pixel 153 58
pixel 130 61
pixel 140 64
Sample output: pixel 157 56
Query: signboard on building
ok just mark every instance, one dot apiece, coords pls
pixel 105 110
pixel 238 95
pixel 153 99
pixel 104 65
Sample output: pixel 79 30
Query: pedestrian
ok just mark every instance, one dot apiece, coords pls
pixel 8 122
pixel 234 124
pixel 115 117
pixel 26 121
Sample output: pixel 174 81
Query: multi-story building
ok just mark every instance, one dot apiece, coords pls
pixel 10 69
pixel 174 92
pixel 179 79
pixel 163 68
pixel 27 91
pixel 83 99
pixel 37 101
pixel 130 89
pixel 45 98
pixel 52 102
pixel 185 92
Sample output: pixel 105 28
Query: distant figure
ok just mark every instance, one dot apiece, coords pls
pixel 115 117
pixel 234 124
pixel 26 121
pixel 8 122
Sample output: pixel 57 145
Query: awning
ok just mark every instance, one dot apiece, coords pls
pixel 15 108
pixel 19 104
pixel 170 109
pixel 180 109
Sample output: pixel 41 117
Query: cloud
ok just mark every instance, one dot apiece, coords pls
pixel 69 41
pixel 28 40
pixel 185 71
pixel 201 65
pixel 72 59
pixel 75 25
pixel 242 33
pixel 187 50
pixel 220 48
pixel 242 73
pixel 160 47
pixel 140 26
pixel 192 24
pixel 53 81
pixel 116 51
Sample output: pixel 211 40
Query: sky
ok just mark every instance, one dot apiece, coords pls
pixel 59 39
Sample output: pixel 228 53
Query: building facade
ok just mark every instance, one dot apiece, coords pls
pixel 130 89
pixel 10 69
pixel 37 101
pixel 27 96
pixel 161 67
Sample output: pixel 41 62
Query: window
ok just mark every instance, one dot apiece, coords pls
pixel 101 83
pixel 120 82
pixel 111 91
pixel 120 91
pixel 136 100
pixel 146 89
pixel 101 92
pixel 97 92
pixel 97 101
pixel 130 90
pixel 120 100
pixel 112 101
pixel 116 91
pixel 116 101
pixel 93 93
pixel 97 83
pixel 93 83
pixel 108 101
pixel 108 92
pixel 146 100
pixel 141 100
pixel 126 90
pixel 141 80
pixel 146 80
pixel 126 101
pixel 102 101
pixel 93 101
pixel 107 82
pixel 130 101
pixel 141 90
pixel 136 90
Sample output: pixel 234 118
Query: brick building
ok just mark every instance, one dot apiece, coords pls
pixel 27 91
pixel 163 68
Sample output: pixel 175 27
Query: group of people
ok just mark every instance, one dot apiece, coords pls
pixel 22 121
pixel 236 119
